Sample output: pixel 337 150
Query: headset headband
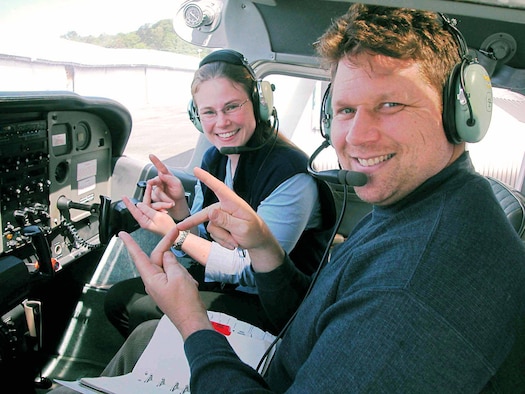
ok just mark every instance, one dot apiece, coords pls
pixel 228 56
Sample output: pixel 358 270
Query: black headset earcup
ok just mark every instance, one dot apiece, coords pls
pixel 326 114
pixel 449 108
pixel 192 113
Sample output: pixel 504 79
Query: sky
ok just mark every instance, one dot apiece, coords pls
pixel 53 18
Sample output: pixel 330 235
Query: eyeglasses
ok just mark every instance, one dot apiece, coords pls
pixel 229 109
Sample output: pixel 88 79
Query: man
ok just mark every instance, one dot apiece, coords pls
pixel 425 295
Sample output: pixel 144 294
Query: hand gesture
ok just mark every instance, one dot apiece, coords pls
pixel 233 223
pixel 166 191
pixel 148 218
pixel 169 284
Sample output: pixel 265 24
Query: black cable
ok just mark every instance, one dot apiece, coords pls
pixel 323 262
pixel 79 241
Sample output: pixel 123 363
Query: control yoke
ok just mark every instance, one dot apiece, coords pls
pixel 112 216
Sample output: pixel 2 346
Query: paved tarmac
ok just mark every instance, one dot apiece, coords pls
pixel 164 131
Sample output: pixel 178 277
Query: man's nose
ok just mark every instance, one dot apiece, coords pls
pixel 363 128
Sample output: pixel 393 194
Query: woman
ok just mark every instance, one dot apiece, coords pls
pixel 233 110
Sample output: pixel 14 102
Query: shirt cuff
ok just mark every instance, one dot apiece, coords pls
pixel 225 265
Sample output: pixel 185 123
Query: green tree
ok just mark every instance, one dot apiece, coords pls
pixel 159 36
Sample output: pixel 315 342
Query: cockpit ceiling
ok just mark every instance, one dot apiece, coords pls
pixel 293 33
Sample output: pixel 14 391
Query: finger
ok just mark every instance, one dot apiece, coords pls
pixel 229 200
pixel 218 187
pixel 132 208
pixel 137 254
pixel 222 236
pixel 220 225
pixel 218 229
pixel 160 195
pixel 195 219
pixel 159 165
pixel 162 206
pixel 148 213
pixel 137 213
pixel 132 247
pixel 172 267
pixel 142 213
pixel 156 181
pixel 164 245
pixel 147 194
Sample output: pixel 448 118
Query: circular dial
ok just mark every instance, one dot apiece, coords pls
pixel 193 15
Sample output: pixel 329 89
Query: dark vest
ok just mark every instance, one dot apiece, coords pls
pixel 258 174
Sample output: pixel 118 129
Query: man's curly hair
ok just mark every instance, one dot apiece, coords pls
pixel 399 33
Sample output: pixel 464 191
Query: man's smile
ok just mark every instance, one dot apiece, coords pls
pixel 375 160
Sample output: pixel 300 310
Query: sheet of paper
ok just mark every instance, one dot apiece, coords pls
pixel 163 367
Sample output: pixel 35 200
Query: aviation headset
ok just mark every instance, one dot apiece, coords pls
pixel 467 97
pixel 261 96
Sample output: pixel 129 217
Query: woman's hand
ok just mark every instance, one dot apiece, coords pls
pixel 169 284
pixel 233 223
pixel 163 201
pixel 148 218
pixel 167 189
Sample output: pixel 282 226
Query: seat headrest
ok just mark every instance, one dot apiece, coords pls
pixel 512 202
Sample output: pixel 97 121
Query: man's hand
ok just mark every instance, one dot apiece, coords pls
pixel 169 284
pixel 233 223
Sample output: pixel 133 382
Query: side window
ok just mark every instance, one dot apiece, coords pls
pixel 157 95
pixel 298 104
pixel 159 109
pixel 138 61
pixel 500 154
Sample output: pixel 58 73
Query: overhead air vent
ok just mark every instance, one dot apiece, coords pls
pixel 500 46
pixel 201 15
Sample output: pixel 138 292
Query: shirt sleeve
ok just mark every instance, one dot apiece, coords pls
pixel 224 360
pixel 290 209
pixel 211 357
pixel 198 200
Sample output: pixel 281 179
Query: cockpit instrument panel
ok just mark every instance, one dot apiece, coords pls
pixel 55 147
